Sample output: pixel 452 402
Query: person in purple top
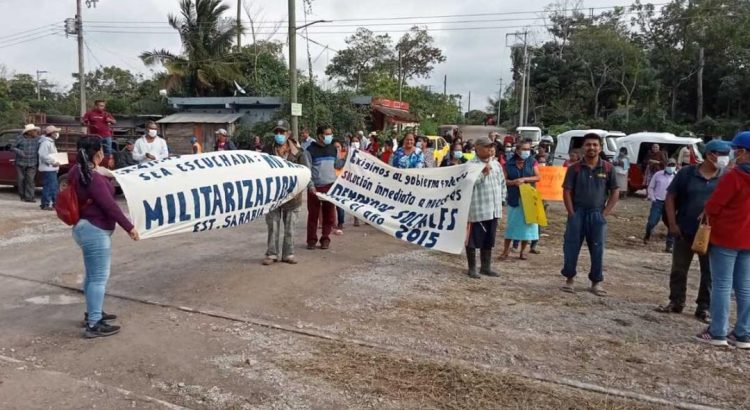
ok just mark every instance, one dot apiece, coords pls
pixel 99 213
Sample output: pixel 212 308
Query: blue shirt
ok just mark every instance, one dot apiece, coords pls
pixel 590 187
pixel 514 192
pixel 691 190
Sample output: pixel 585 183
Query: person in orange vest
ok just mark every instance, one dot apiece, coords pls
pixel 197 148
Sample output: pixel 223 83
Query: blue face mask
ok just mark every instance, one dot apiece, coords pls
pixel 458 154
pixel 328 139
pixel 670 170
pixel 525 154
pixel 280 139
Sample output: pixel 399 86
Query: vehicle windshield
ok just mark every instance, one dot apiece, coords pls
pixel 533 135
pixel 611 143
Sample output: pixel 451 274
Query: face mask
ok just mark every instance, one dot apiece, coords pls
pixel 355 145
pixel 56 135
pixel 508 149
pixel 458 154
pixel 327 139
pixel 279 138
pixel 525 154
pixel 670 170
pixel 723 161
pixel 152 133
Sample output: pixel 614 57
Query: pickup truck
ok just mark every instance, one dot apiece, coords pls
pixel 8 176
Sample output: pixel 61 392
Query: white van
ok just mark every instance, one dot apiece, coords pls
pixel 573 139
pixel 639 145
pixel 529 133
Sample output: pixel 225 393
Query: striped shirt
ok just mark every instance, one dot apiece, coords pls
pixel 489 193
pixel 324 161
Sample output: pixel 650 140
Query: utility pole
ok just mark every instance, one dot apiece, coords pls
pixel 468 104
pixel 699 91
pixel 400 81
pixel 499 103
pixel 527 89
pixel 39 84
pixel 293 64
pixel 445 85
pixel 239 25
pixel 522 91
pixel 81 73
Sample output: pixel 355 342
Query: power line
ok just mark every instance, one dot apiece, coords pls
pixel 26 32
pixel 91 53
pixel 28 40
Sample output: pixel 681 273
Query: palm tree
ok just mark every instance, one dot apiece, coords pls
pixel 203 67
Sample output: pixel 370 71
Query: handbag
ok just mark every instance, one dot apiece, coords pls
pixel 702 237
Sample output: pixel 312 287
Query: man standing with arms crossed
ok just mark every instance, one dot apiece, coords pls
pixel 100 124
pixel 590 194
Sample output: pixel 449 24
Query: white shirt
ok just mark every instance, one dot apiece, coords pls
pixel 157 148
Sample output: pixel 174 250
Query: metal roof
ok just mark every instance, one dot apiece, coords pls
pixel 223 101
pixel 199 118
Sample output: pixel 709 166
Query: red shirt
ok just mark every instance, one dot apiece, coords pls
pixel 386 156
pixel 97 122
pixel 728 211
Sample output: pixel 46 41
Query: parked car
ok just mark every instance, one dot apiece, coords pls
pixel 639 145
pixel 573 139
pixel 66 143
pixel 441 148
pixel 529 133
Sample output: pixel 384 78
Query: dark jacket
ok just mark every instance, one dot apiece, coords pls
pixel 229 146
pixel 124 159
pixel 295 156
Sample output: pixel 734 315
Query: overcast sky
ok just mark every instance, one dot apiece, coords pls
pixel 476 59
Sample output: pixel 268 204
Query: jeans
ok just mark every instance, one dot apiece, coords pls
pixel 26 182
pixel 314 206
pixel 682 257
pixel 96 245
pixel 654 217
pixel 107 146
pixel 340 215
pixel 49 188
pixel 588 224
pixel 730 268
pixel 279 221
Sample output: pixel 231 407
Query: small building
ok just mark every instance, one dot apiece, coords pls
pixel 179 128
pixel 387 114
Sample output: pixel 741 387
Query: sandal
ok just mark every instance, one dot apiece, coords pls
pixel 596 290
pixel 523 257
pixel 568 288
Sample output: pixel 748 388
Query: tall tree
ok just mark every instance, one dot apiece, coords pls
pixel 365 54
pixel 203 68
pixel 416 55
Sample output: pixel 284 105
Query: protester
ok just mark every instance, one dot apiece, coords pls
pixel 622 167
pixel 424 144
pixel 124 158
pixel 574 156
pixel 685 203
pixel 284 218
pixel 542 156
pixel 546 143
pixel 223 143
pixel 354 144
pixel 374 147
pixel 257 144
pixel 683 158
pixel 387 152
pixel 728 211
pixel 590 194
pixel 508 154
pixel 364 142
pixel 340 214
pixel 408 155
pixel 485 210
pixel 151 146
pixel 94 230
pixel 48 166
pixel 304 140
pixel 654 162
pixel 455 157
pixel 27 161
pixel 657 194
pixel 521 169
pixel 323 159
pixel 469 150
pixel 99 122
pixel 197 148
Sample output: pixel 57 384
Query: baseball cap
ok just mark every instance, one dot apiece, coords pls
pixel 742 140
pixel 672 161
pixel 51 129
pixel 483 142
pixel 281 125
pixel 221 131
pixel 129 142
pixel 719 146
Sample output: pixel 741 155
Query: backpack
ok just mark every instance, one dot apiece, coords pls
pixel 67 206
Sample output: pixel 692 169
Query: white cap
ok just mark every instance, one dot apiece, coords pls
pixel 221 131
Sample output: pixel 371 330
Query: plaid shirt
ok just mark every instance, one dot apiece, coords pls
pixel 27 151
pixel 489 194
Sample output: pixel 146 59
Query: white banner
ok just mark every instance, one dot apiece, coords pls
pixel 428 207
pixel 216 190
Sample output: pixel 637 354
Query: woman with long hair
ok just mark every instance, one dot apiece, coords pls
pixel 521 169
pixel 99 213
pixel 408 155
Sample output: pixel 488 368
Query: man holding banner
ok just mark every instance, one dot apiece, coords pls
pixel 590 195
pixel 485 210
pixel 323 158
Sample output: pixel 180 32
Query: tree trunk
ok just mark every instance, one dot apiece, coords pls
pixel 673 107
pixel 699 91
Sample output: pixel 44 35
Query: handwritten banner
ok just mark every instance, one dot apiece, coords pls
pixel 426 207
pixel 550 186
pixel 211 191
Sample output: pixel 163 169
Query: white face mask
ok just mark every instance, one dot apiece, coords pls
pixel 723 161
pixel 55 135
pixel 355 145
pixel 152 133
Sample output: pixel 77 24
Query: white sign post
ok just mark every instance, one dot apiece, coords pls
pixel 297 109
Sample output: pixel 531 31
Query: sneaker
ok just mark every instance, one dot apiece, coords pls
pixel 338 232
pixel 569 285
pixel 290 260
pixel 703 316
pixel 310 246
pixel 101 329
pixel 705 337
pixel 742 342
pixel 268 261
pixel 105 317
pixel 325 245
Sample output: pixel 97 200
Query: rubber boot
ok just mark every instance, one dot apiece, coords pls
pixel 471 257
pixel 485 255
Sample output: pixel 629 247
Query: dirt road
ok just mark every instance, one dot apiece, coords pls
pixel 371 323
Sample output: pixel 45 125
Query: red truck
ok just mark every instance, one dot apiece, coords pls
pixel 66 143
